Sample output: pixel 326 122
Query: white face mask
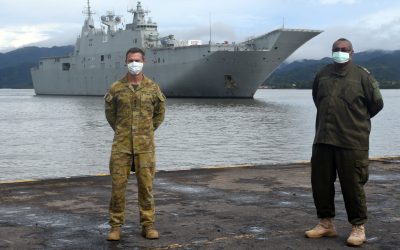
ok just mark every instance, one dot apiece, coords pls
pixel 340 57
pixel 135 67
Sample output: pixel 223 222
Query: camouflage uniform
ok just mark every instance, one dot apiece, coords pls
pixel 346 100
pixel 134 115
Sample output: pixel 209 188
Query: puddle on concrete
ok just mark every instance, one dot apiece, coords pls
pixel 245 199
pixel 372 239
pixel 182 188
pixel 199 240
pixel 105 225
pixel 253 230
pixel 286 203
pixel 390 219
pixel 256 230
pixel 384 177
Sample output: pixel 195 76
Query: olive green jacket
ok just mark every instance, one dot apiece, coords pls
pixel 346 100
pixel 134 115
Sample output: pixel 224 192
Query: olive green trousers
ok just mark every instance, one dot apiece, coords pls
pixel 120 167
pixel 351 166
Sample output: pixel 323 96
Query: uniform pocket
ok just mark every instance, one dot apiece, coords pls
pixel 352 93
pixel 146 104
pixel 349 97
pixel 161 96
pixel 362 171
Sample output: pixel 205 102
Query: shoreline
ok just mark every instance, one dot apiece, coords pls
pixel 383 158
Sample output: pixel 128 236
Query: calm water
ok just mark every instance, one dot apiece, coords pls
pixel 47 136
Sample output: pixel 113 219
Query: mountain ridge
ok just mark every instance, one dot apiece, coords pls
pixel 15 65
pixel 383 65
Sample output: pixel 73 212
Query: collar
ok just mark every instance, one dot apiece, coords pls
pixel 341 71
pixel 145 81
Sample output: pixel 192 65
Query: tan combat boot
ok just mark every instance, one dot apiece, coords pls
pixel 114 234
pixel 357 236
pixel 149 232
pixel 325 228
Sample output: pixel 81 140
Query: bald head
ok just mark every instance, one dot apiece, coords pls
pixel 342 44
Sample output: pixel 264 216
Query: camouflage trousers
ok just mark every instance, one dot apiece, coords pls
pixel 120 167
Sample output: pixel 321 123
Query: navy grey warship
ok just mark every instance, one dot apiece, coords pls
pixel 181 68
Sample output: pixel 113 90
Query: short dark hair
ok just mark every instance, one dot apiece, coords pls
pixel 134 50
pixel 343 40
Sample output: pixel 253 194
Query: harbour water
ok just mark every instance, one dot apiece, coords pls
pixel 54 136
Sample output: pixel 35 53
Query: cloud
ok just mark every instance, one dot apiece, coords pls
pixel 380 30
pixel 16 36
pixel 374 25
pixel 381 19
pixel 334 2
pixel 12 37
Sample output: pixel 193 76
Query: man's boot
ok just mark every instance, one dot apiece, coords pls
pixel 325 228
pixel 357 236
pixel 114 234
pixel 149 232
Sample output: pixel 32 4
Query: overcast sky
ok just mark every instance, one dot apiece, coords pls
pixel 369 24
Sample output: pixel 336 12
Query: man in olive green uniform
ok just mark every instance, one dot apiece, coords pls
pixel 134 108
pixel 347 97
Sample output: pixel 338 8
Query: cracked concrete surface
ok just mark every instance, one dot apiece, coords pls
pixel 252 207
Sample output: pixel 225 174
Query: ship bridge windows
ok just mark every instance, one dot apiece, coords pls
pixel 66 66
pixel 102 58
pixel 146 26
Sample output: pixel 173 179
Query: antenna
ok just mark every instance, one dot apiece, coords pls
pixel 88 10
pixel 210 28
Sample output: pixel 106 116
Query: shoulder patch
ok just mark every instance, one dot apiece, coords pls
pixel 366 70
pixel 114 85
pixel 108 97
pixel 161 96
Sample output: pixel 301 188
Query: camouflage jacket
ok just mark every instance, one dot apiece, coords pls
pixel 134 115
pixel 345 101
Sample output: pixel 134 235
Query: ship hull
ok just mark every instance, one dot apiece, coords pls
pixel 216 71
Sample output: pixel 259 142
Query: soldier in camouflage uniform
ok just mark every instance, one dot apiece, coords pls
pixel 347 97
pixel 134 108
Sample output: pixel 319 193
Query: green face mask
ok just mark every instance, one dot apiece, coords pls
pixel 340 57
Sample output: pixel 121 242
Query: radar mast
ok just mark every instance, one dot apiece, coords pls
pixel 88 26
pixel 88 10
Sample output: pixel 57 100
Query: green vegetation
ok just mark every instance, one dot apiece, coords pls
pixel 15 65
pixel 384 65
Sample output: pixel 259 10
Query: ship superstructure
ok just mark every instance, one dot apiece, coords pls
pixel 182 69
